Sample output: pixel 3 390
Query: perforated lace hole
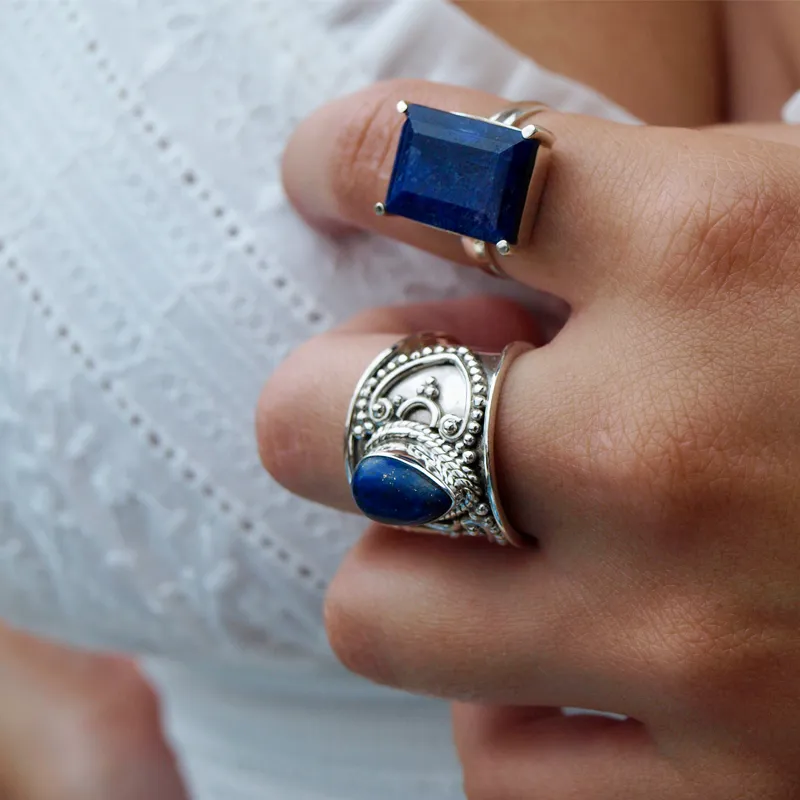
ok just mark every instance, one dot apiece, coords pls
pixel 207 490
pixel 225 506
pixel 189 177
pixel 283 555
pixel 314 317
pixel 246 525
pixel 136 420
pixel 163 144
pixel 219 211
pixel 62 331
pixel 169 453
pixel 279 283
pixel 154 439
pixel 91 46
pixel 76 348
pixel 265 542
pixel 233 231
pixel 189 474
pixel 304 572
pixel 122 94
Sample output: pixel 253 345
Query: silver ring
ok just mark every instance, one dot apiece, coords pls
pixel 480 178
pixel 419 438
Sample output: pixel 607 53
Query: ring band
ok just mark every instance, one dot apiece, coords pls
pixel 419 438
pixel 480 178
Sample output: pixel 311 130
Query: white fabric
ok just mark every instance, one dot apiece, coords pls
pixel 791 110
pixel 151 276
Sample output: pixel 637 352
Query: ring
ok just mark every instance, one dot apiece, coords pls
pixel 419 436
pixel 480 178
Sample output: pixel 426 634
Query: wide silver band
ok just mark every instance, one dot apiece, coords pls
pixel 427 408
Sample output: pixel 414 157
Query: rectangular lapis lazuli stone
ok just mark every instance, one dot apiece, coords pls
pixel 464 175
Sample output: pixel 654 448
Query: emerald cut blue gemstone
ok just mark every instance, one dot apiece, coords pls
pixel 464 175
pixel 396 492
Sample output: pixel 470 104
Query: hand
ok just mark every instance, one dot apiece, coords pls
pixel 78 726
pixel 652 448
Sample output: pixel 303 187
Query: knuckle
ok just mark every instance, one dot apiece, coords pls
pixel 661 451
pixel 356 640
pixel 730 214
pixel 282 439
pixel 704 657
pixel 364 150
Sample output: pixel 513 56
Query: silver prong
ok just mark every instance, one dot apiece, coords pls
pixel 503 247
pixel 529 131
pixel 402 107
pixel 546 137
pixel 380 209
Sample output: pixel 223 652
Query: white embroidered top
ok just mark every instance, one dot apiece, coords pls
pixel 151 276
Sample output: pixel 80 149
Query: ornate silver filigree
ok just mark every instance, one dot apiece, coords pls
pixel 429 401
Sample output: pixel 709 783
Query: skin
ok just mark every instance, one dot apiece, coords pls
pixel 78 726
pixel 696 64
pixel 677 48
pixel 651 448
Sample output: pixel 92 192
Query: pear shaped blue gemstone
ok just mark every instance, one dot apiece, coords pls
pixel 395 492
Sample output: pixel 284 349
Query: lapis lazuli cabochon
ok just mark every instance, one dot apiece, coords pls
pixel 395 492
pixel 464 175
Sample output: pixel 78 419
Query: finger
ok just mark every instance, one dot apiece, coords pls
pixel 301 412
pixel 514 754
pixel 603 199
pixel 464 619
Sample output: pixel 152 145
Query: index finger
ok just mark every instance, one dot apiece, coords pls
pixel 339 162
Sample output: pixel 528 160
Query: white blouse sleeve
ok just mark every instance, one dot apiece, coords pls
pixel 152 275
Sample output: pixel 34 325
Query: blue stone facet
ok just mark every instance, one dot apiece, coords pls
pixel 395 492
pixel 464 175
